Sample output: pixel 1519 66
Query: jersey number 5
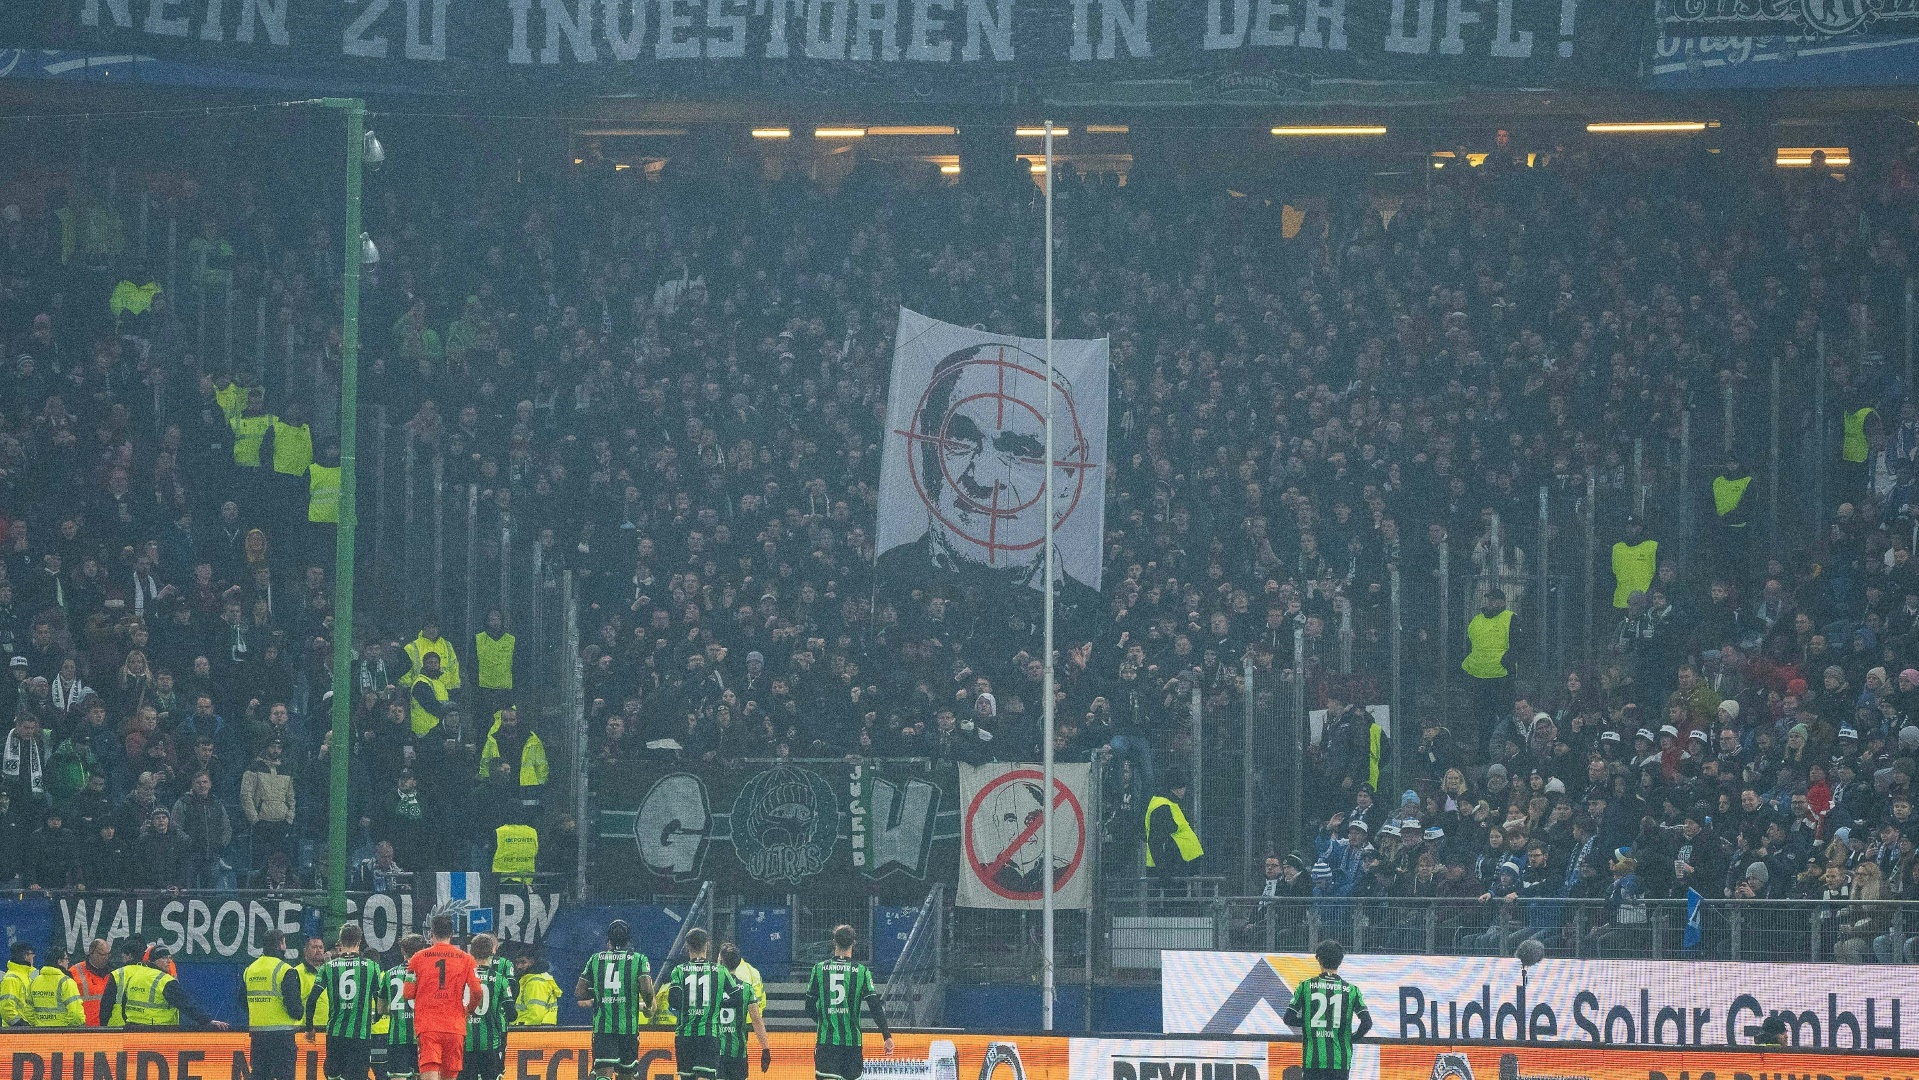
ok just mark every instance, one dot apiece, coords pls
pixel 836 988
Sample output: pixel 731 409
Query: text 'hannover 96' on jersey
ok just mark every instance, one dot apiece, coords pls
pixel 1328 1007
pixel 351 985
pixel 706 988
pixel 837 988
pixel 613 977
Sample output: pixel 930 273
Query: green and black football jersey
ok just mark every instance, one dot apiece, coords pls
pixel 736 1020
pixel 613 978
pixel 486 1024
pixel 704 988
pixel 1328 1008
pixel 351 986
pixel 837 988
pixel 399 1011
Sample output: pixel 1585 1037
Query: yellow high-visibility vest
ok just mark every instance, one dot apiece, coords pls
pixel 266 1009
pixel 143 998
pixel 417 649
pixel 1490 636
pixel 539 1000
pixel 232 400
pixel 1727 494
pixel 1632 569
pixel 1184 838
pixel 323 494
pixel 1856 447
pixel 248 433
pixel 308 980
pixel 516 852
pixel 424 721
pixel 292 447
pixel 13 994
pixel 53 1000
pixel 495 658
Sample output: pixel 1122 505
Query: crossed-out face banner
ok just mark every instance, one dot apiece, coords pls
pixel 753 828
pixel 1670 1002
pixel 1004 845
pixel 551 1054
pixel 920 50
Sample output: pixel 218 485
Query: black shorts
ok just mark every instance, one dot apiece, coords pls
pixel 402 1059
pixel 348 1059
pixel 272 1056
pixel 696 1055
pixel 733 1068
pixel 1324 1074
pixel 844 1062
pixel 482 1065
pixel 619 1051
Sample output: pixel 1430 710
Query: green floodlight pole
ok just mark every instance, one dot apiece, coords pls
pixel 344 550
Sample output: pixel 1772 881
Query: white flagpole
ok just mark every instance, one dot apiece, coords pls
pixel 1046 737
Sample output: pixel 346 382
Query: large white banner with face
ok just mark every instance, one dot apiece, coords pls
pixel 1667 1002
pixel 963 472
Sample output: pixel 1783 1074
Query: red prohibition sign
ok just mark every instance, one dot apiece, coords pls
pixel 987 870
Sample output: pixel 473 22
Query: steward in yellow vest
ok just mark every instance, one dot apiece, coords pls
pixel 312 956
pixel 428 699
pixel 519 746
pixel 1634 560
pixel 323 489
pixel 493 653
pixel 13 985
pixel 250 430
pixel 516 853
pixel 53 998
pixel 1490 637
pixel 539 992
pixel 430 641
pixel 1729 496
pixel 1171 843
pixel 144 995
pixel 231 396
pixel 1858 446
pixel 292 443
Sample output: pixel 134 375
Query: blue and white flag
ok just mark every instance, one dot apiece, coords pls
pixel 1694 931
pixel 459 895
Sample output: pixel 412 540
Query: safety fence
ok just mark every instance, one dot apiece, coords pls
pixel 1766 931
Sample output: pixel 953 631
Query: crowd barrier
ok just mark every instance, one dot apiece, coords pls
pixel 564 1054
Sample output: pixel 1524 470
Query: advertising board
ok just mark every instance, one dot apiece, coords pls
pixel 1616 1002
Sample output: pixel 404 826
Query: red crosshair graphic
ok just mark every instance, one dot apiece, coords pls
pixel 1027 375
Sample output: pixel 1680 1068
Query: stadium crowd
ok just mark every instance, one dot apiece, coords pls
pixel 678 388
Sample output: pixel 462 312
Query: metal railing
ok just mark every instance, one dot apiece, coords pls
pixel 1780 931
pixel 914 991
pixel 699 915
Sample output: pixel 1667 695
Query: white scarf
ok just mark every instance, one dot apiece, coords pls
pixel 10 763
pixel 67 694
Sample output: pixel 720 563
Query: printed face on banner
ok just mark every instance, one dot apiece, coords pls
pixel 981 467
pixel 965 470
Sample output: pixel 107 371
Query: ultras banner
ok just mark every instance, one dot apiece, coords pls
pixel 1671 1002
pixel 1001 835
pixel 838 49
pixel 963 473
pixel 890 827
